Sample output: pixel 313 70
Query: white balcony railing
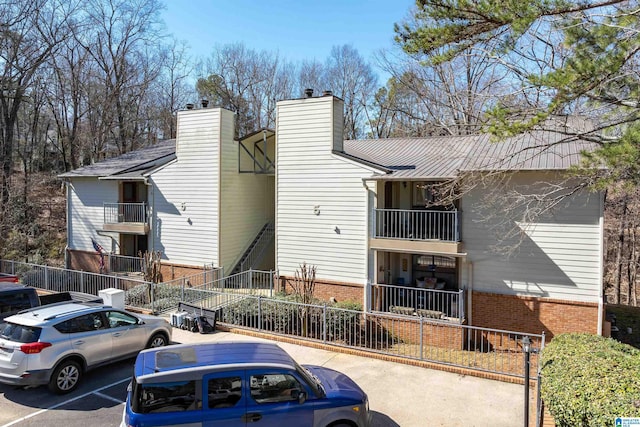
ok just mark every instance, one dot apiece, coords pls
pixel 417 225
pixel 117 213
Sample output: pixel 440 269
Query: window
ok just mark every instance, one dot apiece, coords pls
pixel 20 333
pixel 177 396
pixel 268 388
pixel 85 323
pixel 118 318
pixel 224 392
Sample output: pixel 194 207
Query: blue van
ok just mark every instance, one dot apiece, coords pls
pixel 238 383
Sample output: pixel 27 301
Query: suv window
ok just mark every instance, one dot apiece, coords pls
pixel 166 397
pixel 20 333
pixel 224 392
pixel 85 323
pixel 118 318
pixel 269 388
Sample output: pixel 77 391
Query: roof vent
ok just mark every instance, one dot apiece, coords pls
pixel 327 93
pixel 308 93
pixel 205 103
pixel 189 106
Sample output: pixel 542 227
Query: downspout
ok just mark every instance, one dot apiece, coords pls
pixel 601 275
pixel 67 185
pixel 469 294
pixel 151 212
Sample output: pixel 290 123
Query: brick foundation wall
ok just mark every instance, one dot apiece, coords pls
pixel 84 261
pixel 325 290
pixel 533 315
pixel 90 261
pixel 433 334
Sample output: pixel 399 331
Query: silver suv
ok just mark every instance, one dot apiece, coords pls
pixel 56 344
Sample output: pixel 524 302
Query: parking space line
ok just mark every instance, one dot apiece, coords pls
pixel 57 405
pixel 105 396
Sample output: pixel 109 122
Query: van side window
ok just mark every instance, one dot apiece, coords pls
pixel 224 392
pixel 176 396
pixel 270 388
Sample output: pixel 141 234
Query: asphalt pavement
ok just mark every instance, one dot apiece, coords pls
pixel 404 395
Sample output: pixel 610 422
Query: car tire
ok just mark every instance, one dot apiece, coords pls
pixel 157 340
pixel 66 377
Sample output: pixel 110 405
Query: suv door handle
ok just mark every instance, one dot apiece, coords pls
pixel 79 342
pixel 251 418
pixel 116 334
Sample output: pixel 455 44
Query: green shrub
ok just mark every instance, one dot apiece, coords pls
pixel 588 380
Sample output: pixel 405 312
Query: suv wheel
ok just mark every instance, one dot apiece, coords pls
pixel 158 340
pixel 66 377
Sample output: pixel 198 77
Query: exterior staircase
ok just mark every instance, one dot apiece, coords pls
pixel 257 250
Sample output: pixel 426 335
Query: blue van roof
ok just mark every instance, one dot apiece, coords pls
pixel 209 356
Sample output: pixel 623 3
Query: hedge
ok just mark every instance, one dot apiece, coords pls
pixel 588 380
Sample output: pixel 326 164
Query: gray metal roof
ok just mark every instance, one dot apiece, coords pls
pixel 409 158
pixel 129 165
pixel 540 150
pixel 445 157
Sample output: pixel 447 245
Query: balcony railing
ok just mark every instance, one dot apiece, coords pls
pixel 417 225
pixel 125 264
pixel 430 303
pixel 117 213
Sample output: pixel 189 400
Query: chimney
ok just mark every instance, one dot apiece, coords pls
pixel 189 106
pixel 205 103
pixel 327 93
pixel 308 93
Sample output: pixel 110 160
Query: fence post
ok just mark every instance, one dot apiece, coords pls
pixel 271 283
pixel 324 323
pixel 81 282
pixel 46 278
pixel 153 291
pixel 250 279
pixel 182 290
pixel 259 312
pixel 421 337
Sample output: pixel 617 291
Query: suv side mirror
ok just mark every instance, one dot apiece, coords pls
pixel 298 395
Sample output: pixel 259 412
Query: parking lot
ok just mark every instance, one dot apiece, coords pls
pixel 400 395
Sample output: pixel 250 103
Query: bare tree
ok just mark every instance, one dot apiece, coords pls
pixel 31 32
pixel 123 45
pixel 172 86
pixel 246 82
pixel 353 80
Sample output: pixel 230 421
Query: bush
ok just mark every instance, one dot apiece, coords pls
pixel 588 380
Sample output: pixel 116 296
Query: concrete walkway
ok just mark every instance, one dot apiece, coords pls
pixel 408 396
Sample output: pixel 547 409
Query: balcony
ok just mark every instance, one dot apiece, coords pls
pixel 129 218
pixel 418 231
pixel 433 304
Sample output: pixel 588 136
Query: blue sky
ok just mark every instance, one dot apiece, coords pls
pixel 298 30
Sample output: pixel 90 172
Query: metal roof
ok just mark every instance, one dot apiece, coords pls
pixel 428 158
pixel 444 157
pixel 409 158
pixel 539 150
pixel 129 165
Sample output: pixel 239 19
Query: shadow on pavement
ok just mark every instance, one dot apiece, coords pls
pixel 382 420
